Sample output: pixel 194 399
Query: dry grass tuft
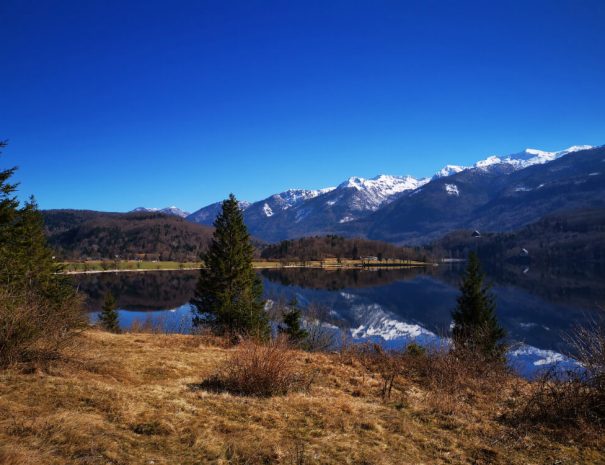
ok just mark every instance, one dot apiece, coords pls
pixel 256 369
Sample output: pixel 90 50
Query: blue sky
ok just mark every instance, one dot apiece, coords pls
pixel 112 105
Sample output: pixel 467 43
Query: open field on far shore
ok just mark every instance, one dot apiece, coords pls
pixel 100 266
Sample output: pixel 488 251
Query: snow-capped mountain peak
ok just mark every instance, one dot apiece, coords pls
pixel 448 170
pixel 370 194
pixel 528 157
pixel 292 197
pixel 288 199
pixel 383 183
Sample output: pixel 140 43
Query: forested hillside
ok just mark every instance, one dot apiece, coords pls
pixel 77 234
pixel 565 238
pixel 322 247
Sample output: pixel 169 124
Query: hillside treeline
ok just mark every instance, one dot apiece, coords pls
pixel 324 247
pixel 564 238
pixel 81 235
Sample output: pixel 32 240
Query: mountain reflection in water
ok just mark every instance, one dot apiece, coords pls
pixel 389 306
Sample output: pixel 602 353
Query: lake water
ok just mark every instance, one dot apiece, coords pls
pixel 393 307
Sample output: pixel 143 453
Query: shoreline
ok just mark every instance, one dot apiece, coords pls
pixel 261 267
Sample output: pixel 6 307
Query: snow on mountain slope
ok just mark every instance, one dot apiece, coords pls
pixel 206 215
pixel 379 190
pixel 448 170
pixel 299 212
pixel 527 157
pixel 174 211
pixel 290 198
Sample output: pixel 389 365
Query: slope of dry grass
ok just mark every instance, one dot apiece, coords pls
pixel 135 399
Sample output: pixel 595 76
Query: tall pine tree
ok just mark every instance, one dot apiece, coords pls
pixel 476 329
pixel 228 294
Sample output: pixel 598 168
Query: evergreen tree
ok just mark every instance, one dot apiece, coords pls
pixel 39 308
pixel 8 212
pixel 109 314
pixel 228 294
pixel 293 323
pixel 475 325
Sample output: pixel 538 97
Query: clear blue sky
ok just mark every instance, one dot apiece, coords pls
pixel 114 104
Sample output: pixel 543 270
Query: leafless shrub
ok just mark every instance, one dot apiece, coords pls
pixel 575 399
pixel 264 370
pixel 450 377
pixel 388 365
pixel 32 330
pixel 321 336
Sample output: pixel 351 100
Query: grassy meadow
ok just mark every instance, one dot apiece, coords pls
pixel 138 399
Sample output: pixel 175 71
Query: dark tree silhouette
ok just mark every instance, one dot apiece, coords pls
pixel 292 323
pixel 476 329
pixel 109 318
pixel 228 295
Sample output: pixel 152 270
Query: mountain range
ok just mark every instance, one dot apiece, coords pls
pixel 499 193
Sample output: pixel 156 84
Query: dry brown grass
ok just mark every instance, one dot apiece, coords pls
pixel 128 399
pixel 257 369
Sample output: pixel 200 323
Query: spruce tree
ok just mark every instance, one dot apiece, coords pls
pixel 8 212
pixel 476 329
pixel 293 323
pixel 39 308
pixel 228 294
pixel 108 318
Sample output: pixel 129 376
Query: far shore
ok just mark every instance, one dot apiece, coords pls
pixel 97 266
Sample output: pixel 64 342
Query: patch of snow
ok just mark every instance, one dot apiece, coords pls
pixel 451 189
pixel 448 170
pixel 522 189
pixel 346 219
pixel 267 210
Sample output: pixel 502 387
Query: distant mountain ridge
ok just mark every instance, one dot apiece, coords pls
pixel 495 197
pixel 173 211
pixel 353 205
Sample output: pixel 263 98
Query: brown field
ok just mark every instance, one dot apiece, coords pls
pixel 135 399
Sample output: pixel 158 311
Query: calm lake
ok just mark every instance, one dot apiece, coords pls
pixel 392 307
